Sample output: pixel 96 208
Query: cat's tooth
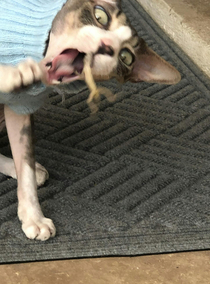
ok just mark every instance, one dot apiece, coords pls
pixel 60 79
pixel 76 72
pixel 49 65
pixel 55 82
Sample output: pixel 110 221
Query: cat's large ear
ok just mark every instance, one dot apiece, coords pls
pixel 150 67
pixel 116 2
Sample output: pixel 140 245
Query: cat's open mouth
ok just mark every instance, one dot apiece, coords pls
pixel 66 67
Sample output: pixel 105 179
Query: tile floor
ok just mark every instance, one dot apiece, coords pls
pixel 187 22
pixel 181 268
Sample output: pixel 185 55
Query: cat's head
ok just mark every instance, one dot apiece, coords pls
pixel 101 28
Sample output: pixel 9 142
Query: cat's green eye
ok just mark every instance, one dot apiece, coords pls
pixel 101 16
pixel 127 56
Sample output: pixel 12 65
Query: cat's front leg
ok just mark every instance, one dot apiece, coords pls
pixel 15 77
pixel 34 224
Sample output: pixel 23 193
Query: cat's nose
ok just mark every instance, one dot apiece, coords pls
pixel 105 49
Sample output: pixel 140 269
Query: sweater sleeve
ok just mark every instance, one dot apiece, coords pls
pixel 24 29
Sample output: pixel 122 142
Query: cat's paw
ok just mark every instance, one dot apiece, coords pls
pixel 24 74
pixel 40 229
pixel 10 78
pixel 41 174
pixel 30 72
pixel 34 224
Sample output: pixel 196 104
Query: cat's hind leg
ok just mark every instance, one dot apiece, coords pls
pixel 7 167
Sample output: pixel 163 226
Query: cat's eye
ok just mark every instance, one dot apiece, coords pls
pixel 127 56
pixel 101 16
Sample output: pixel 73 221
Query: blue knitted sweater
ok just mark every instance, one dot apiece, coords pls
pixel 24 29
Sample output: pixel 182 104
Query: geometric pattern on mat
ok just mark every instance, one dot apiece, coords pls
pixel 133 179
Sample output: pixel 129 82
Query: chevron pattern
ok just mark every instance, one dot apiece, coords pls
pixel 132 179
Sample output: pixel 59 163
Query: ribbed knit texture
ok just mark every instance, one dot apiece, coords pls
pixel 24 29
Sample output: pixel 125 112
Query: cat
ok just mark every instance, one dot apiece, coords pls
pixel 79 27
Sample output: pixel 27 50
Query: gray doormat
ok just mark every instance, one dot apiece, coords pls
pixel 133 179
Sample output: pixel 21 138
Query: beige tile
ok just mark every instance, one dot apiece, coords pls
pixel 186 268
pixel 187 22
